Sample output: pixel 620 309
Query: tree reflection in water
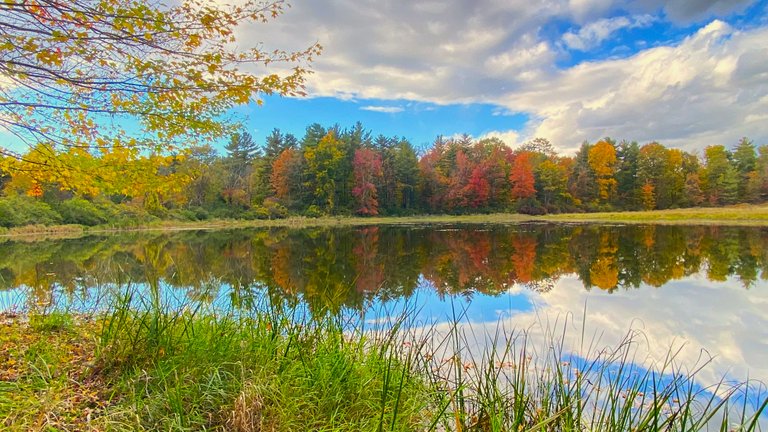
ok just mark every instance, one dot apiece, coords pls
pixel 332 268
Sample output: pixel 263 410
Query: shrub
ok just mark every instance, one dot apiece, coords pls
pixel 256 213
pixel 313 211
pixel 200 213
pixel 129 215
pixel 81 212
pixel 182 214
pixel 275 210
pixel 20 210
pixel 531 206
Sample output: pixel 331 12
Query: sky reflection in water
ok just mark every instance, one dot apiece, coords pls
pixel 693 288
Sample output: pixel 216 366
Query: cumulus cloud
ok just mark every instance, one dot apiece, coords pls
pixel 709 89
pixel 704 90
pixel 594 33
pixel 733 344
pixel 383 109
pixel 510 137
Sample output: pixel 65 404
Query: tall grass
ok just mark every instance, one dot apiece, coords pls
pixel 271 368
pixel 165 364
pixel 518 383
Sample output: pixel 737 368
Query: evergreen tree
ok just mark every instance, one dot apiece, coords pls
pixel 241 153
pixel 406 167
pixel 721 177
pixel 627 186
pixel 744 160
pixel 582 183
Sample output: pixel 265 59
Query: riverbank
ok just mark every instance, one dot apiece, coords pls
pixel 743 214
pixel 275 368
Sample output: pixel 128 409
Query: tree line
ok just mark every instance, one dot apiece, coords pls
pixel 348 171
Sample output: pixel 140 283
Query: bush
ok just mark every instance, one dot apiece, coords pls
pixel 531 206
pixel 81 212
pixel 226 213
pixel 313 211
pixel 129 215
pixel 275 210
pixel 20 210
pixel 182 215
pixel 200 213
pixel 256 213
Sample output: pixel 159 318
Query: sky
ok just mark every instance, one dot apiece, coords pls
pixel 686 73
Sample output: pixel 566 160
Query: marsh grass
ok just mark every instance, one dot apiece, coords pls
pixel 147 362
pixel 741 214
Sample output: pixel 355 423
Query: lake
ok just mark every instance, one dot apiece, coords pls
pixel 697 291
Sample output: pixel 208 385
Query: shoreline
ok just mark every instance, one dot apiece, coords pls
pixel 741 215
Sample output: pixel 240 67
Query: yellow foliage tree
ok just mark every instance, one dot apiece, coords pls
pixel 602 160
pixel 106 77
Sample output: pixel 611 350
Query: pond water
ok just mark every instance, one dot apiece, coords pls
pixel 700 291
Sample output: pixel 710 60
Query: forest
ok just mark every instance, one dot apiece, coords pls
pixel 349 171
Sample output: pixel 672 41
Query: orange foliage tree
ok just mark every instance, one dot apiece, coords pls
pixel 521 176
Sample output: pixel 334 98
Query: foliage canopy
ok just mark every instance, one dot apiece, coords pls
pixel 90 77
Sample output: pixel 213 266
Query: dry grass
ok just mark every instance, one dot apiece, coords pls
pixel 741 214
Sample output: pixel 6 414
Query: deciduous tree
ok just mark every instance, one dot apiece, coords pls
pixel 602 160
pixel 367 173
pixel 521 177
pixel 99 75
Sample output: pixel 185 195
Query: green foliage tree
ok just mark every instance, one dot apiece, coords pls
pixel 406 170
pixel 627 154
pixel 242 152
pixel 551 182
pixel 721 177
pixel 745 161
pixel 323 163
pixel 582 183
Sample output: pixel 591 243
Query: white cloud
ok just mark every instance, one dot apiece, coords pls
pixel 736 344
pixel 510 137
pixel 707 89
pixel 383 109
pixel 594 33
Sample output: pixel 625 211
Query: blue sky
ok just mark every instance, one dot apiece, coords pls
pixel 686 73
pixel 419 122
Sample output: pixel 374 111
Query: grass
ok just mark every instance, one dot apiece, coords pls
pixel 742 214
pixel 737 214
pixel 146 363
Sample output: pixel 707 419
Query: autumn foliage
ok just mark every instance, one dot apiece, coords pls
pixel 90 85
pixel 521 176
pixel 347 171
pixel 367 173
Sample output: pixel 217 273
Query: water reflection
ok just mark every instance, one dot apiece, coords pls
pixel 347 266
pixel 712 292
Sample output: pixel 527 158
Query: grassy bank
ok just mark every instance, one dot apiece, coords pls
pixel 744 214
pixel 181 371
pixel 141 364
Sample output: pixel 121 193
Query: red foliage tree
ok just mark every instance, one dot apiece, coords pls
pixel 478 189
pixel 367 172
pixel 457 192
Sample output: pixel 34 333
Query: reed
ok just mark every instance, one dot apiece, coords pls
pixel 145 361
